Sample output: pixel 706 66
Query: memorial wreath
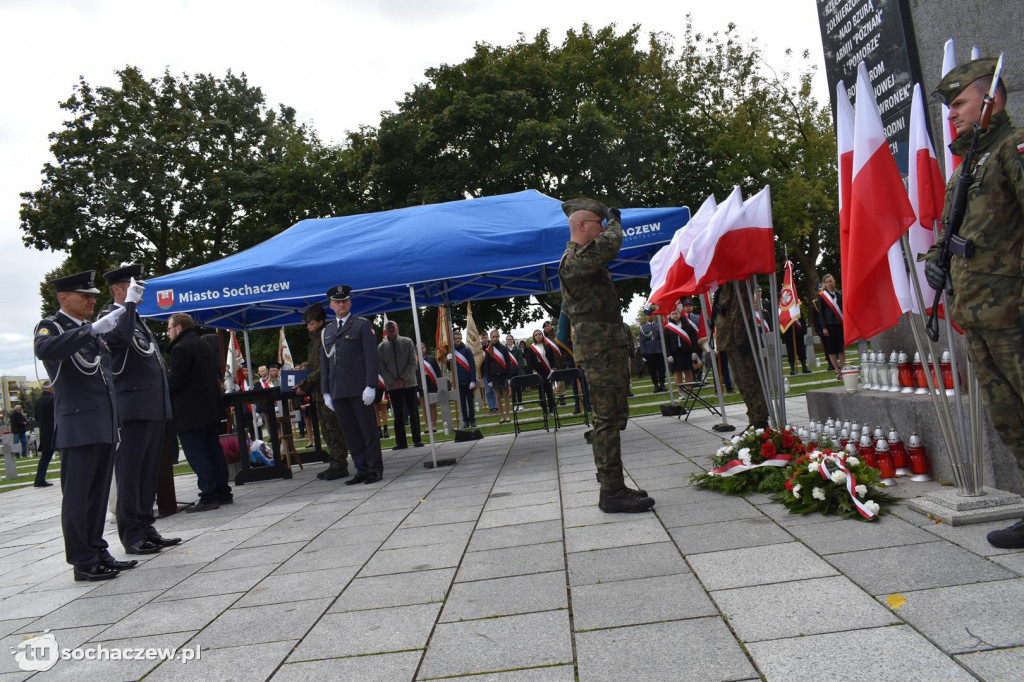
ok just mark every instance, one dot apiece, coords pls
pixel 753 461
pixel 833 483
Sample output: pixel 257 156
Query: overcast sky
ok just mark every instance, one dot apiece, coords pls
pixel 338 63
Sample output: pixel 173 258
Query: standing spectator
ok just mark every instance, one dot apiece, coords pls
pixel 143 407
pixel 19 429
pixel 79 367
pixel 831 324
pixel 349 368
pixel 432 370
pixel 44 417
pixel 540 361
pixel 497 368
pixel 198 408
pixel 681 342
pixel 517 366
pixel 652 351
pixel 398 366
pixel 556 355
pixel 793 338
pixel 316 319
pixel 465 369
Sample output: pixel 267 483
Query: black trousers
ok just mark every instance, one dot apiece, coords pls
pixel 359 424
pixel 166 496
pixel 137 467
pixel 468 403
pixel 205 456
pixel 406 405
pixel 656 366
pixel 44 462
pixel 85 473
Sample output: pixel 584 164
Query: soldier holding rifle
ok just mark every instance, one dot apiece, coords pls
pixel 981 254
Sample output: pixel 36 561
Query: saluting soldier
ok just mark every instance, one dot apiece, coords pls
pixel 144 408
pixel 349 368
pixel 601 345
pixel 78 363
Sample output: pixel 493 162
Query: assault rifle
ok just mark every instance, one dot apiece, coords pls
pixel 953 243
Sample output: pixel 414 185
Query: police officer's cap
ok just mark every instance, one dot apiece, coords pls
pixel 315 313
pixel 341 292
pixel 958 78
pixel 124 273
pixel 650 309
pixel 80 282
pixel 584 204
pixel 685 301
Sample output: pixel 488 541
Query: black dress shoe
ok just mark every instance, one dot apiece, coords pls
pixel 230 499
pixel 400 447
pixel 355 479
pixel 44 484
pixel 372 478
pixel 144 547
pixel 418 445
pixel 158 539
pixel 333 475
pixel 95 572
pixel 201 507
pixel 119 565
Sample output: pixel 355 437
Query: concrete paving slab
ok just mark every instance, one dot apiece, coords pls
pixel 502 563
pixel 370 668
pixel 36 604
pixel 1000 664
pixel 253 662
pixel 418 536
pixel 548 673
pixel 515 536
pixel 422 558
pixel 66 638
pixel 1014 562
pixel 639 529
pixel 697 650
pixel 518 515
pixel 897 653
pixel 625 563
pixel 324 557
pixel 498 644
pixel 77 670
pixel 398 589
pixel 93 611
pixel 426 517
pixel 171 616
pixel 714 537
pixel 724 509
pixel 969 617
pixel 758 566
pixel 287 587
pixel 255 556
pixel 849 535
pixel 628 602
pixel 784 610
pixel 970 537
pixel 915 567
pixel 203 584
pixel 504 499
pixel 242 626
pixel 505 596
pixel 355 633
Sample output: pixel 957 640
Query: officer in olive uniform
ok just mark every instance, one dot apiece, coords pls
pixel 988 286
pixel 731 337
pixel 601 346
pixel 144 408
pixel 349 368
pixel 316 318
pixel 78 363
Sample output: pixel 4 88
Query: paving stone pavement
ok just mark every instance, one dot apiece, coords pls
pixel 501 568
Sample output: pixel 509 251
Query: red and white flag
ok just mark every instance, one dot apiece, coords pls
pixel 951 160
pixel 789 302
pixel 844 147
pixel 880 213
pixel 284 352
pixel 739 241
pixel 670 272
pixel 926 189
pixel 235 373
pixel 702 251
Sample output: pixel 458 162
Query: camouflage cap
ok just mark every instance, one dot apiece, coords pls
pixel 958 78
pixel 584 204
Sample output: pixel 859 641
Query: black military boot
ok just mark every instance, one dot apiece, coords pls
pixel 1008 538
pixel 624 500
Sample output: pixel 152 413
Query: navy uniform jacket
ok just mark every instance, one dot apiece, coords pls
pixel 348 358
pixel 139 377
pixel 78 364
pixel 650 341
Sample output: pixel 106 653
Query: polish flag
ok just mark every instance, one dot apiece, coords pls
pixel 926 189
pixel 880 213
pixel 951 161
pixel 738 242
pixel 789 302
pixel 669 270
pixel 844 147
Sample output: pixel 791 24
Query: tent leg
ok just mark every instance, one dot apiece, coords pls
pixel 435 462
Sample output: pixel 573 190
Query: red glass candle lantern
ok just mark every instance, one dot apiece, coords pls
pixel 919 464
pixel 920 380
pixel 905 373
pixel 867 451
pixel 885 465
pixel 900 458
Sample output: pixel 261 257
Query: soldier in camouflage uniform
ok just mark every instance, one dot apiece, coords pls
pixel 731 337
pixel 600 344
pixel 315 319
pixel 988 287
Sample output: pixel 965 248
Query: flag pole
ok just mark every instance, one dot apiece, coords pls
pixel 773 291
pixel 664 359
pixel 752 341
pixel 434 463
pixel 766 377
pixel 716 363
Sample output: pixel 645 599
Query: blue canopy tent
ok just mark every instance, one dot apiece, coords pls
pixel 494 247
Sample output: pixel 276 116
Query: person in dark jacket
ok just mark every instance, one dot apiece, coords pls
pixel 198 408
pixel 19 429
pixel 44 417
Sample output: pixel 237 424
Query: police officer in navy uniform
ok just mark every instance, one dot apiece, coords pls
pixel 78 363
pixel 349 367
pixel 144 408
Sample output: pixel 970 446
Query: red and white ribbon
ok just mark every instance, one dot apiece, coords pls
pixel 738 467
pixel 851 484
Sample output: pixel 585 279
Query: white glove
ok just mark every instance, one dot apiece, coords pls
pixel 368 395
pixel 107 322
pixel 134 294
pixel 449 357
pixel 328 402
pixel 472 385
pixel 670 359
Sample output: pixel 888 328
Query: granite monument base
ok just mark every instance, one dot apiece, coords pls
pixel 954 509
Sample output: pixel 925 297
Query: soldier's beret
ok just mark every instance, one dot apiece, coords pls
pixel 341 292
pixel 124 273
pixel 584 204
pixel 958 78
pixel 315 313
pixel 80 282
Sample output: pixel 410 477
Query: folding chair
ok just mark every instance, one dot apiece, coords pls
pixel 571 374
pixel 525 381
pixel 690 394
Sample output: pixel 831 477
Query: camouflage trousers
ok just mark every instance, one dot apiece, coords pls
pixel 744 374
pixel 330 429
pixel 998 360
pixel 608 376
